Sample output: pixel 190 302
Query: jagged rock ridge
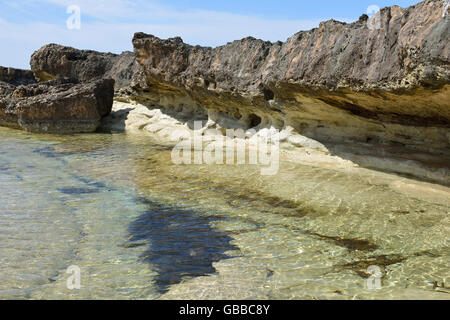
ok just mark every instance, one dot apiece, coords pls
pixel 339 81
pixel 16 76
pixel 59 62
pixel 365 90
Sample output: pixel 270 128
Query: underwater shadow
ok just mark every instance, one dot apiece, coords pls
pixel 181 243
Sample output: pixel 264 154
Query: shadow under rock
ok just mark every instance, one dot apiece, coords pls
pixel 182 243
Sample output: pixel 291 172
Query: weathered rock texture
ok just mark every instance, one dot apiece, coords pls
pixel 16 76
pixel 368 90
pixel 374 89
pixel 389 84
pixel 6 88
pixel 58 106
pixel 56 62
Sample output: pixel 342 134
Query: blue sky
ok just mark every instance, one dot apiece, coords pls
pixel 108 25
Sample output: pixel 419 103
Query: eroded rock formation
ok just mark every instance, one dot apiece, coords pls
pixel 59 62
pixel 57 106
pixel 376 91
pixel 388 84
pixel 16 76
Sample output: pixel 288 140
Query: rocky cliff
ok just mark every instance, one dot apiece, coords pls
pixel 376 91
pixel 59 62
pixel 388 83
pixel 59 106
pixel 16 76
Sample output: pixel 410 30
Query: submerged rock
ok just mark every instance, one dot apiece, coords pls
pixel 59 106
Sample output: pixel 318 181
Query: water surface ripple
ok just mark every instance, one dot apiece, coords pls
pixel 140 227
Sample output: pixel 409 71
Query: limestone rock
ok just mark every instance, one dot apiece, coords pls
pixel 368 88
pixel 58 106
pixel 385 79
pixel 410 48
pixel 55 62
pixel 6 88
pixel 16 76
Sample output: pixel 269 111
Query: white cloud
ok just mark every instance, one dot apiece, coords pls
pixel 112 9
pixel 202 27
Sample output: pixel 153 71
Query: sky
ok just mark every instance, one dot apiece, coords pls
pixel 109 25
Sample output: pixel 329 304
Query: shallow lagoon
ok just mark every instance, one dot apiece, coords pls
pixel 140 227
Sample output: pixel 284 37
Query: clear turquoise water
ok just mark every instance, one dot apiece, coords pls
pixel 140 227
